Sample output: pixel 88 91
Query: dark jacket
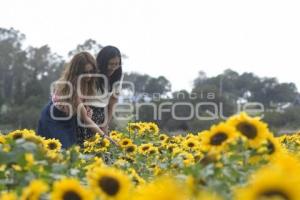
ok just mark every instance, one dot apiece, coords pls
pixel 63 130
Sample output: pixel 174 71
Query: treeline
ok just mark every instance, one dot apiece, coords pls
pixel 27 72
pixel 219 97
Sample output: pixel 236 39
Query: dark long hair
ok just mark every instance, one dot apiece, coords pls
pixel 102 60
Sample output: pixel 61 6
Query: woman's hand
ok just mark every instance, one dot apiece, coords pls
pixel 105 129
pixel 111 140
pixel 106 132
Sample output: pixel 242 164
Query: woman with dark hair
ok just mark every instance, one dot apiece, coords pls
pixel 109 67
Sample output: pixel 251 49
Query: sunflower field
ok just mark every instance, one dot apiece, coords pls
pixel 238 159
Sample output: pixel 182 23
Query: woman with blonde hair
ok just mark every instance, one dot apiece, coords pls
pixel 61 117
pixel 109 67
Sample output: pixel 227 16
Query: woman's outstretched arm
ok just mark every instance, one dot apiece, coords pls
pixel 90 123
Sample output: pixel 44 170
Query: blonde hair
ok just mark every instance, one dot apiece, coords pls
pixel 71 73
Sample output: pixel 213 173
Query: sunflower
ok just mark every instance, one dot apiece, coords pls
pixel 38 140
pixel 176 151
pixel 69 189
pixel 153 128
pixel 190 135
pixel 120 163
pixel 125 142
pixel 162 188
pixel 94 139
pixel 110 183
pixel 286 162
pixel 34 191
pixel 135 177
pixel 290 142
pixel 97 162
pixel 153 150
pixel 104 143
pixel 171 147
pixel 131 149
pixel 16 167
pixel 155 169
pixel 187 158
pixel 128 158
pixel 201 135
pixel 137 180
pixel 163 138
pixel 54 156
pixel 4 144
pixel 8 196
pixel 52 145
pixel 251 128
pixel 135 128
pixel 205 195
pixel 2 139
pixel 273 146
pixel 218 136
pixel 29 157
pixel 144 128
pixel 271 183
pixel 2 167
pixel 198 156
pixel 191 144
pixel 144 148
pixel 17 134
pixel 96 144
pixel 175 139
pixel 115 135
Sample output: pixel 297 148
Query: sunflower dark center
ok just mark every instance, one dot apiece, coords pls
pixel 273 194
pixel 247 130
pixel 102 143
pixel 152 151
pixel 71 195
pixel 145 148
pixel 52 146
pixel 152 165
pixel 125 142
pixel 91 139
pixel 29 195
pixel 271 147
pixel 191 144
pixel 171 148
pixel 218 138
pixel 130 149
pixel 135 128
pixel 162 138
pixel 17 136
pixel 109 185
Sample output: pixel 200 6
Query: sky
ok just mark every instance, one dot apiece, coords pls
pixel 173 38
